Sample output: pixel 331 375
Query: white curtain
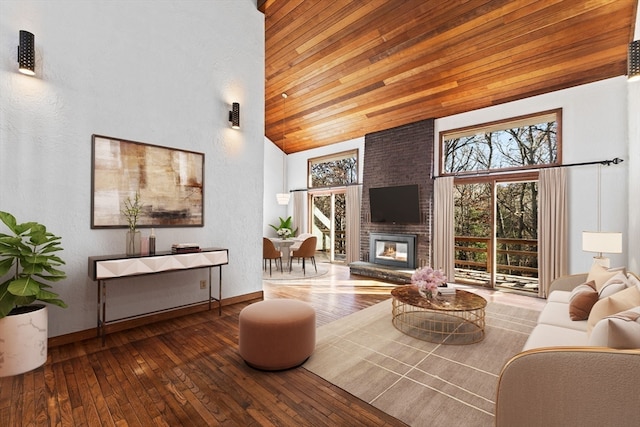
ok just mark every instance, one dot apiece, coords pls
pixel 352 226
pixel 443 236
pixel 297 218
pixel 552 226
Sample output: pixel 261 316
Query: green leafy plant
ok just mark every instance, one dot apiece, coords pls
pixel 285 224
pixel 30 251
pixel 132 210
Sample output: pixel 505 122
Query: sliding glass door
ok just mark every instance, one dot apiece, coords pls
pixel 496 229
pixel 328 222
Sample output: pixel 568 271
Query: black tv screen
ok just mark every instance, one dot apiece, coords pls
pixel 399 205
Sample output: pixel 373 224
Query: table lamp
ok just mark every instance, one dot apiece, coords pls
pixel 602 242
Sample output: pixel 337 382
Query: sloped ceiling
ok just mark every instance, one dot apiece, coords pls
pixel 352 67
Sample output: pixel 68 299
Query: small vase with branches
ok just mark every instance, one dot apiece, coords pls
pixel 131 212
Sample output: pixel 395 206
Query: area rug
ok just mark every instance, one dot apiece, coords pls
pixel 420 383
pixel 296 272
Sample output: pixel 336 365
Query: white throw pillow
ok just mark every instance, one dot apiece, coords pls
pixel 616 303
pixel 621 330
pixel 600 275
pixel 615 284
pixel 633 280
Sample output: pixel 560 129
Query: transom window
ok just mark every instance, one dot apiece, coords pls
pixel 334 170
pixel 517 143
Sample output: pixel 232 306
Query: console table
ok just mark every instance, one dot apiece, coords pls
pixel 109 267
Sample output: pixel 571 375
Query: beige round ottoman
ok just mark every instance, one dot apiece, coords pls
pixel 277 334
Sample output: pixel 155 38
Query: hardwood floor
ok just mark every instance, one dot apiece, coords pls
pixel 187 372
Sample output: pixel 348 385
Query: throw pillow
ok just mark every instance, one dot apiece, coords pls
pixel 620 301
pixel 633 280
pixel 600 275
pixel 581 299
pixel 620 330
pixel 615 284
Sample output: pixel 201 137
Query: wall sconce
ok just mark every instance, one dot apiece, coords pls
pixel 26 53
pixel 234 115
pixel 601 242
pixel 633 61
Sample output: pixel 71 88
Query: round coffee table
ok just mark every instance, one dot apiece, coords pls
pixel 445 319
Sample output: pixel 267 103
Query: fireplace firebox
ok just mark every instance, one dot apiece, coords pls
pixel 396 250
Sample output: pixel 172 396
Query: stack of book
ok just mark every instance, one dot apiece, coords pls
pixel 447 290
pixel 184 248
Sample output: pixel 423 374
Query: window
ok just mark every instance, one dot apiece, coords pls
pixel 335 170
pixel 518 143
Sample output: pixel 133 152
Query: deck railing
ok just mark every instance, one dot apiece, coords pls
pixel 514 256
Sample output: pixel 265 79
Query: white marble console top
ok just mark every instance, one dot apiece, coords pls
pixel 101 268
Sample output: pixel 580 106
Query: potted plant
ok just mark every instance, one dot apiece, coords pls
pixel 285 228
pixel 28 257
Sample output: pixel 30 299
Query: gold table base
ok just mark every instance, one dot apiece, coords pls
pixel 452 319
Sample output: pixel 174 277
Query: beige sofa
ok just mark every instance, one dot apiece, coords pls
pixel 577 372
pixel 556 328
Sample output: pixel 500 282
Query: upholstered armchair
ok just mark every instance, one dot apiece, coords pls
pixel 570 386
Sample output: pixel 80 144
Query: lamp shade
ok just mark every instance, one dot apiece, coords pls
pixel 283 198
pixel 602 242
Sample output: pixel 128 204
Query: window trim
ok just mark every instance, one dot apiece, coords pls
pixel 502 124
pixel 329 157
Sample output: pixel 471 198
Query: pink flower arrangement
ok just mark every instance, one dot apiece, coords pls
pixel 427 279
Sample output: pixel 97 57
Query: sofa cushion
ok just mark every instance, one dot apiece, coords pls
pixel 621 330
pixel 557 314
pixel 559 296
pixel 614 284
pixel 581 299
pixel 600 275
pixel 554 336
pixel 620 301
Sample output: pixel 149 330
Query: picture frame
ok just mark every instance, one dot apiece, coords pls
pixel 168 181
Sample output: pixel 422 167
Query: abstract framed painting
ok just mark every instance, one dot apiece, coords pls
pixel 168 181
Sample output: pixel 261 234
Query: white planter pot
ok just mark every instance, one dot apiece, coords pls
pixel 23 341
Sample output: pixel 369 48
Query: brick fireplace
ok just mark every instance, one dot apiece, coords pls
pixel 399 156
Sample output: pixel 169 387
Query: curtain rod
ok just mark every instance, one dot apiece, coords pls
pixel 324 188
pixel 614 161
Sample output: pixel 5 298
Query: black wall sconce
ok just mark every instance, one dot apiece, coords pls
pixel 234 115
pixel 633 61
pixel 27 54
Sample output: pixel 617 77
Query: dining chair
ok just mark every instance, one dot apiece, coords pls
pixel 306 250
pixel 269 252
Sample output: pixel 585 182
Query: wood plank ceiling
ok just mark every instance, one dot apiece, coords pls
pixel 352 67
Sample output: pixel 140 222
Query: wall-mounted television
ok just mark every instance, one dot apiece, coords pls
pixel 395 205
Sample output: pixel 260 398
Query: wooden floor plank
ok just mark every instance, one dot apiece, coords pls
pixel 187 371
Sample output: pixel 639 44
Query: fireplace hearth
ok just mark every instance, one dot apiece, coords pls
pixel 395 250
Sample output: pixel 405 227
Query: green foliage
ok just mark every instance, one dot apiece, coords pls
pixel 30 252
pixel 285 224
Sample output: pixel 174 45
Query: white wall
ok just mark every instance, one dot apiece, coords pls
pixel 158 72
pixel 594 127
pixel 273 164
